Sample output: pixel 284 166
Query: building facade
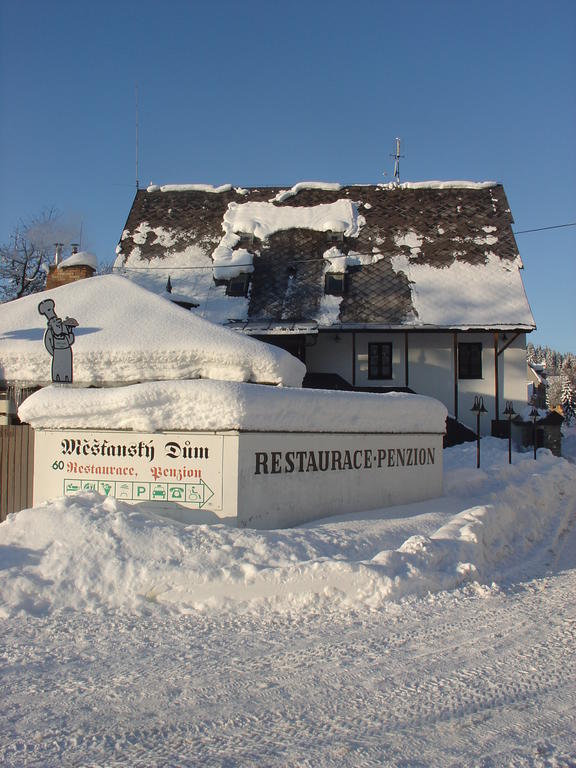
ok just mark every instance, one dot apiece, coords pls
pixel 411 287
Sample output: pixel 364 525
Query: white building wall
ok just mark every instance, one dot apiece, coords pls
pixel 331 353
pixel 515 386
pixel 431 368
pixel 468 389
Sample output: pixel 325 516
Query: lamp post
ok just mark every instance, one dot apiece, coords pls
pixel 509 411
pixel 534 415
pixel 478 408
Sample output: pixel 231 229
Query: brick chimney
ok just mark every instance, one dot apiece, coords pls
pixel 78 266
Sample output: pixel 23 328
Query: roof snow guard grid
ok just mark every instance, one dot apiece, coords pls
pixel 426 255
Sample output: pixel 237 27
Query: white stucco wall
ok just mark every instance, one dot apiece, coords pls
pixel 431 368
pixel 331 353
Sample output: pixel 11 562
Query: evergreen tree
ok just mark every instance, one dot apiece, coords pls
pixel 568 400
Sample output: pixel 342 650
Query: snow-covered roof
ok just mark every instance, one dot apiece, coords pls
pixel 419 255
pixel 217 405
pixel 127 334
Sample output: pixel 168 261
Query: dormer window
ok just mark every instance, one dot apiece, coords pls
pixel 333 236
pixel 335 283
pixel 238 285
pixel 245 238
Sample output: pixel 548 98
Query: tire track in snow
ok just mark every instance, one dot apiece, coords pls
pixel 459 678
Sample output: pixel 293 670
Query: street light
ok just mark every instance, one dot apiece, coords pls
pixel 478 408
pixel 509 411
pixel 534 415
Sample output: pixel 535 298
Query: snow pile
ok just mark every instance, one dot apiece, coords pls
pixel 127 334
pixel 264 219
pixel 189 188
pixel 80 259
pixel 218 405
pixel 230 263
pixel 339 262
pixel 93 554
pixel 287 193
pixel 440 185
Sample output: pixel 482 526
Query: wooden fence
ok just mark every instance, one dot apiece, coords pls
pixel 16 468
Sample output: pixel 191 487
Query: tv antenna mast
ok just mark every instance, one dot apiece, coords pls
pixel 397 156
pixel 136 105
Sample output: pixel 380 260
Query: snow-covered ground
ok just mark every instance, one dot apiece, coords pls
pixel 436 634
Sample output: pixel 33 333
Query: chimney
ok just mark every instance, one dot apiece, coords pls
pixel 78 266
pixel 58 253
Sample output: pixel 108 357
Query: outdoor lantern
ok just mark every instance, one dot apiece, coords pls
pixel 478 408
pixel 509 411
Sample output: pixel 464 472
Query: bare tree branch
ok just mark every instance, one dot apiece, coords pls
pixel 25 259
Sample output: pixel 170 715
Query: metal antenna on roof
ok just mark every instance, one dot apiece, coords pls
pixel 397 157
pixel 137 182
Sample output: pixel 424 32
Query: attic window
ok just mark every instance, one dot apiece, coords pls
pixel 335 283
pixel 333 236
pixel 238 285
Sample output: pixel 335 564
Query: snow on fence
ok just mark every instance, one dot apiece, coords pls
pixel 16 468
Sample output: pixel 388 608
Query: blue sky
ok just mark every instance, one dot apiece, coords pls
pixel 258 93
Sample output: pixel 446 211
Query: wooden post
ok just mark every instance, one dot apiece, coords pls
pixel 455 363
pixel 496 378
pixel 353 358
pixel 406 363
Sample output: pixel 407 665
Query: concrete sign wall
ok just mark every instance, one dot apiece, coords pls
pixel 283 477
pixel 262 480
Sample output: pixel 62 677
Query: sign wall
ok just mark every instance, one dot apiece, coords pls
pixel 260 479
pixel 164 468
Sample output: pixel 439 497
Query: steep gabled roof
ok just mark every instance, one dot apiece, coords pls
pixel 429 255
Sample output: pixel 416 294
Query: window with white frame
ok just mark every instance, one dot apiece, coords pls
pixel 380 360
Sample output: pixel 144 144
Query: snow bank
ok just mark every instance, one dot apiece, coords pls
pixel 128 334
pixel 219 405
pixel 94 554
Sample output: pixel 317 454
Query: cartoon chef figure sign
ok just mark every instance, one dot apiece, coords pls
pixel 58 340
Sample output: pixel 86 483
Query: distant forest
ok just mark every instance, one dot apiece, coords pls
pixel 560 378
pixel 557 363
